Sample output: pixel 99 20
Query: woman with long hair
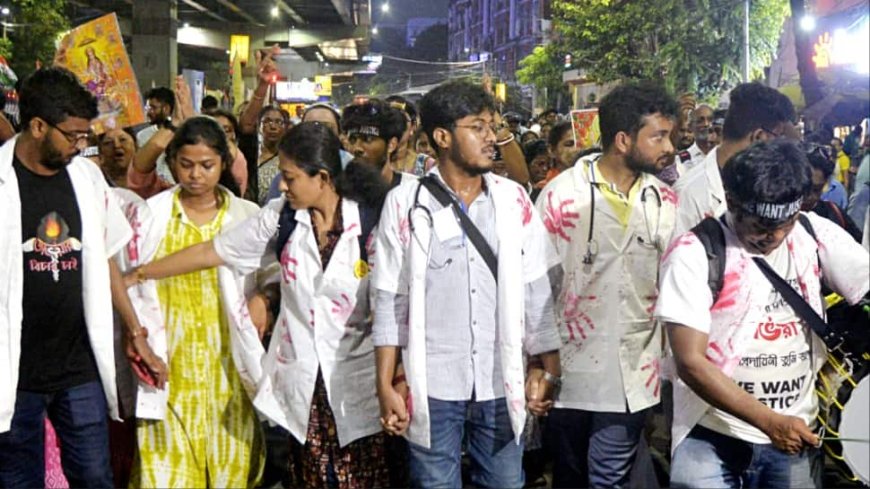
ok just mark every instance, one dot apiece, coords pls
pixel 318 378
pixel 202 430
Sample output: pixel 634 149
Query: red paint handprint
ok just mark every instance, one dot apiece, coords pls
pixel 288 265
pixel 404 226
pixel 525 205
pixel 556 219
pixel 718 357
pixel 133 245
pixel 654 378
pixel 668 195
pixel 574 318
pixel 342 308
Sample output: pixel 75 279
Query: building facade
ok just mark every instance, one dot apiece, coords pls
pixel 501 32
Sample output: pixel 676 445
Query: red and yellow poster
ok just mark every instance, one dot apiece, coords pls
pixel 586 130
pixel 95 52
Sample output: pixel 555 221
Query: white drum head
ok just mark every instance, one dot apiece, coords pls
pixel 855 426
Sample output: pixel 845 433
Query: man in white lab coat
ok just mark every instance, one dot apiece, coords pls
pixel 610 217
pixel 464 302
pixel 59 227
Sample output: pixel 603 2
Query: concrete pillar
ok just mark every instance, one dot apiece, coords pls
pixel 155 48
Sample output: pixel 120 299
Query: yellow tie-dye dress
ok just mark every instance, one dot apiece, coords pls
pixel 211 436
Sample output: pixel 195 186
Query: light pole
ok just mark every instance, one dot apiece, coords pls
pixel 746 41
pixel 5 13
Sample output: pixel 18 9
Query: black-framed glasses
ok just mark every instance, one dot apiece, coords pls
pixel 74 138
pixel 480 128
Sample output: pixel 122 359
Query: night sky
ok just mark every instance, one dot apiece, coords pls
pixel 402 10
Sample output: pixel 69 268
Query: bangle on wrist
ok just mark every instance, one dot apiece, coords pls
pixel 136 333
pixel 505 141
pixel 555 381
pixel 140 275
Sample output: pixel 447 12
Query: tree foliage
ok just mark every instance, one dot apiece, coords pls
pixel 40 24
pixel 692 45
pixel 431 44
pixel 543 69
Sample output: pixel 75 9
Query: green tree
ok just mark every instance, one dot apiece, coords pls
pixel 543 69
pixel 691 45
pixel 41 22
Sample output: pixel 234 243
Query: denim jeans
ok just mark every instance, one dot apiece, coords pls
pixel 593 449
pixel 81 422
pixel 496 459
pixel 710 459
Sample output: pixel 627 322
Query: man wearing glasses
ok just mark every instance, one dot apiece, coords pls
pixel 756 113
pixel 61 226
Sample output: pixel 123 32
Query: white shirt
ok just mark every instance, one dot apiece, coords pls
pixel 104 233
pixel 741 310
pixel 324 323
pixel 401 264
pixel 611 346
pixel 700 193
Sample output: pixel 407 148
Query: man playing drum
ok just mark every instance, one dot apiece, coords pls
pixel 745 402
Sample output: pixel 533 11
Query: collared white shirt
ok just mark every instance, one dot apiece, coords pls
pixel 700 193
pixel 104 233
pixel 611 346
pixel 162 169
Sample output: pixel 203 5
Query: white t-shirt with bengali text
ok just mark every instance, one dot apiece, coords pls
pixel 776 365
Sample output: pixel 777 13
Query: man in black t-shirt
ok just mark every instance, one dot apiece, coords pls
pixel 61 225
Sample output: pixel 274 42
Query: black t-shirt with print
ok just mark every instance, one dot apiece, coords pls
pixel 55 351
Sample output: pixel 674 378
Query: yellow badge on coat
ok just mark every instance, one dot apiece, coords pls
pixel 360 269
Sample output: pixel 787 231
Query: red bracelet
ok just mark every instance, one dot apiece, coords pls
pixel 398 379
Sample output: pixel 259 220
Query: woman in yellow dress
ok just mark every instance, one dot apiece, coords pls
pixel 202 430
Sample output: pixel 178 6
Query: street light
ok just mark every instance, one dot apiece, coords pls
pixel 375 30
pixel 4 11
pixel 808 23
pixel 274 11
pixel 385 7
pixel 186 25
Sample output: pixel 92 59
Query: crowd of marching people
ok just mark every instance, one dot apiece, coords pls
pixel 430 295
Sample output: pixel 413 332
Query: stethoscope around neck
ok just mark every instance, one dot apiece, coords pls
pixel 652 240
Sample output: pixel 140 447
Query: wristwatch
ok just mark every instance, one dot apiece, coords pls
pixel 552 379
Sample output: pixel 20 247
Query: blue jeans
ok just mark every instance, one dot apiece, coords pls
pixel 496 459
pixel 710 459
pixel 79 417
pixel 593 449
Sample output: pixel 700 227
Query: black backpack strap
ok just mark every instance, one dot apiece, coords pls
pixel 805 222
pixel 286 225
pixel 468 226
pixel 368 218
pixel 710 234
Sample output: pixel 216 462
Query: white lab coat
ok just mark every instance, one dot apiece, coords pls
pixel 701 194
pixel 104 233
pixel 400 266
pixel 150 221
pixel 611 345
pixel 324 323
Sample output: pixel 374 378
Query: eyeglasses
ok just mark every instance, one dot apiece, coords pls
pixel 75 138
pixel 480 128
pixel 774 134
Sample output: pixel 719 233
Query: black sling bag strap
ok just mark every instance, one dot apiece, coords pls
pixel 832 339
pixel 468 226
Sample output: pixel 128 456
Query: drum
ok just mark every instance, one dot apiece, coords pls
pixel 855 431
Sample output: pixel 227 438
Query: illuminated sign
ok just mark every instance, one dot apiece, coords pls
pixel 847 48
pixel 323 85
pixel 240 46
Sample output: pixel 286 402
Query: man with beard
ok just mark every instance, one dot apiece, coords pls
pixel 160 103
pixel 462 287
pixel 373 131
pixel 61 226
pixel 755 113
pixel 609 218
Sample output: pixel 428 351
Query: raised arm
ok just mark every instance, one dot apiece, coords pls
pixel 267 73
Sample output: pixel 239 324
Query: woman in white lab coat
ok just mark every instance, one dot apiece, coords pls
pixel 319 373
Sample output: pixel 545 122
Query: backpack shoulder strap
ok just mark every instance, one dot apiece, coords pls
pixel 286 225
pixel 805 222
pixel 710 234
pixel 368 217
